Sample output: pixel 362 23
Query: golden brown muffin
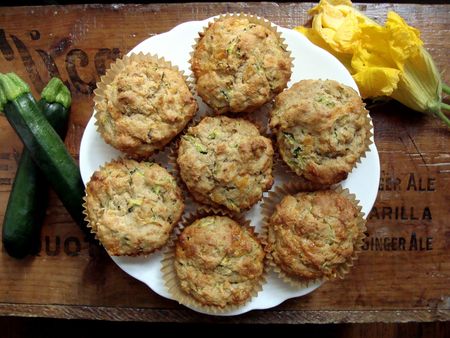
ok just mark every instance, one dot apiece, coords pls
pixel 218 262
pixel 240 65
pixel 312 234
pixel 144 107
pixel 132 206
pixel 322 129
pixel 226 162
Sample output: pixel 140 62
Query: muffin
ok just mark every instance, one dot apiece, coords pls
pixel 226 162
pixel 142 103
pixel 314 235
pixel 132 207
pixel 322 129
pixel 218 262
pixel 240 63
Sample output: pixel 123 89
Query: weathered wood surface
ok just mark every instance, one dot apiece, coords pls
pixel 403 273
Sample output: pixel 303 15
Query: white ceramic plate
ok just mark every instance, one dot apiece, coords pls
pixel 311 62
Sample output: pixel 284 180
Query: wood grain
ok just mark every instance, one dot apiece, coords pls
pixel 404 273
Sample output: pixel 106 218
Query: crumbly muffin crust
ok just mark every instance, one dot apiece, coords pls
pixel 322 129
pixel 132 207
pixel 226 162
pixel 239 65
pixel 311 234
pixel 146 105
pixel 218 262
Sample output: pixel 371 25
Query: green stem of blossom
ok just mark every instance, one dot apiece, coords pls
pixel 441 115
pixel 446 89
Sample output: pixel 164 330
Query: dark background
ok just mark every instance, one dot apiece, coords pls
pixel 49 328
pixel 17 327
pixel 65 2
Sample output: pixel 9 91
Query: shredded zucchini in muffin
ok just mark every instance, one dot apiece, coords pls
pixel 310 235
pixel 144 108
pixel 240 65
pixel 226 162
pixel 322 129
pixel 133 206
pixel 218 262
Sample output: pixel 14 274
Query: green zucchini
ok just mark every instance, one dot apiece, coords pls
pixel 45 146
pixel 26 209
pixel 27 202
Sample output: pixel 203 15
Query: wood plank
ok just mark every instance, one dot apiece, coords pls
pixel 404 273
pixel 183 315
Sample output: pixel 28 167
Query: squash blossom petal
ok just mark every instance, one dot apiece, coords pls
pixel 387 60
pixel 338 23
pixel 377 81
pixel 316 39
pixel 404 41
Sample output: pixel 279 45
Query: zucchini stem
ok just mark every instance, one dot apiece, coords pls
pixel 57 92
pixel 11 87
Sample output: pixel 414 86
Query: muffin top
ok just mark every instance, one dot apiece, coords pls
pixel 239 65
pixel 218 262
pixel 312 234
pixel 132 206
pixel 226 162
pixel 322 129
pixel 144 107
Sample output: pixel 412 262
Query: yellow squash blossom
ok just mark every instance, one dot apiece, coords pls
pixel 387 60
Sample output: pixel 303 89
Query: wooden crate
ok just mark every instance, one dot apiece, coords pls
pixel 403 273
